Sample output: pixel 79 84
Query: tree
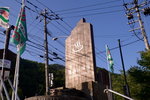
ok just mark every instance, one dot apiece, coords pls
pixel 139 78
pixel 32 78
pixel 59 75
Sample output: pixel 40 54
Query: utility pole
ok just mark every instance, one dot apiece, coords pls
pixel 126 87
pixel 46 52
pixel 141 25
pixel 130 15
pixel 50 16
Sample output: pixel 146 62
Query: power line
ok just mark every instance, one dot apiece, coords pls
pixel 88 6
pixel 104 59
pixel 45 6
pixel 135 9
pixel 92 14
pixel 51 16
pixel 63 26
pixel 67 24
pixel 87 10
pixel 53 12
pixel 121 46
pixel 58 28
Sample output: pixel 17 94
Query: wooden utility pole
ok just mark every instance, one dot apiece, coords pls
pixel 126 88
pixel 49 16
pixel 141 25
pixel 135 12
pixel 46 53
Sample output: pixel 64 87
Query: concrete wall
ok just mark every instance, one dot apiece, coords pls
pixel 55 98
pixel 80 60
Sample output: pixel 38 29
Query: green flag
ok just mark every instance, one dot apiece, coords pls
pixel 109 59
pixel 19 36
pixel 4 17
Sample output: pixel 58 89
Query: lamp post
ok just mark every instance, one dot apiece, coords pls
pixel 56 38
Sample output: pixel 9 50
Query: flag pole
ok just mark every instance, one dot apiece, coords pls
pixel 4 53
pixel 16 75
pixel 6 45
pixel 5 90
pixel 110 96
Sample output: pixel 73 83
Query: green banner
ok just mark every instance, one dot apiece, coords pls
pixel 19 36
pixel 109 59
pixel 4 17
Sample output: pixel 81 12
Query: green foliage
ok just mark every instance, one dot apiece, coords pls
pixel 32 78
pixel 59 75
pixel 139 78
pixel 139 81
pixel 117 83
pixel 145 60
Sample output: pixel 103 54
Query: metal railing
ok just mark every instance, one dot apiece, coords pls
pixel 109 90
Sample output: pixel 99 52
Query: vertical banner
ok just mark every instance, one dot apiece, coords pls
pixel 109 59
pixel 19 36
pixel 4 17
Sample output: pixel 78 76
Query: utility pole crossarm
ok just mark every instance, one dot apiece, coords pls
pixel 135 11
pixel 142 26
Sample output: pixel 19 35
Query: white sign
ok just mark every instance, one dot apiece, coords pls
pixel 77 47
pixel 7 63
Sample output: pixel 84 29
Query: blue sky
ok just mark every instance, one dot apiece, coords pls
pixel 108 20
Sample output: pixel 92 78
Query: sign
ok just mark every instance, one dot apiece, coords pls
pixel 7 63
pixel 80 61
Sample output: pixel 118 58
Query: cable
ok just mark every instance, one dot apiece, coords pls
pixel 48 17
pixel 45 6
pixel 58 28
pixel 67 24
pixel 105 60
pixel 121 46
pixel 73 60
pixel 88 6
pixel 33 4
pixel 53 12
pixel 91 9
pixel 62 26
pixel 92 14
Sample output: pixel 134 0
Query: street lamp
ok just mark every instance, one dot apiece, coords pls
pixel 55 38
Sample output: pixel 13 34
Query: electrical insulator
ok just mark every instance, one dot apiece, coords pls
pixel 129 16
pixel 146 11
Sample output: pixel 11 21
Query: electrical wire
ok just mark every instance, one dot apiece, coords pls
pixel 93 14
pixel 123 45
pixel 87 10
pixel 88 6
